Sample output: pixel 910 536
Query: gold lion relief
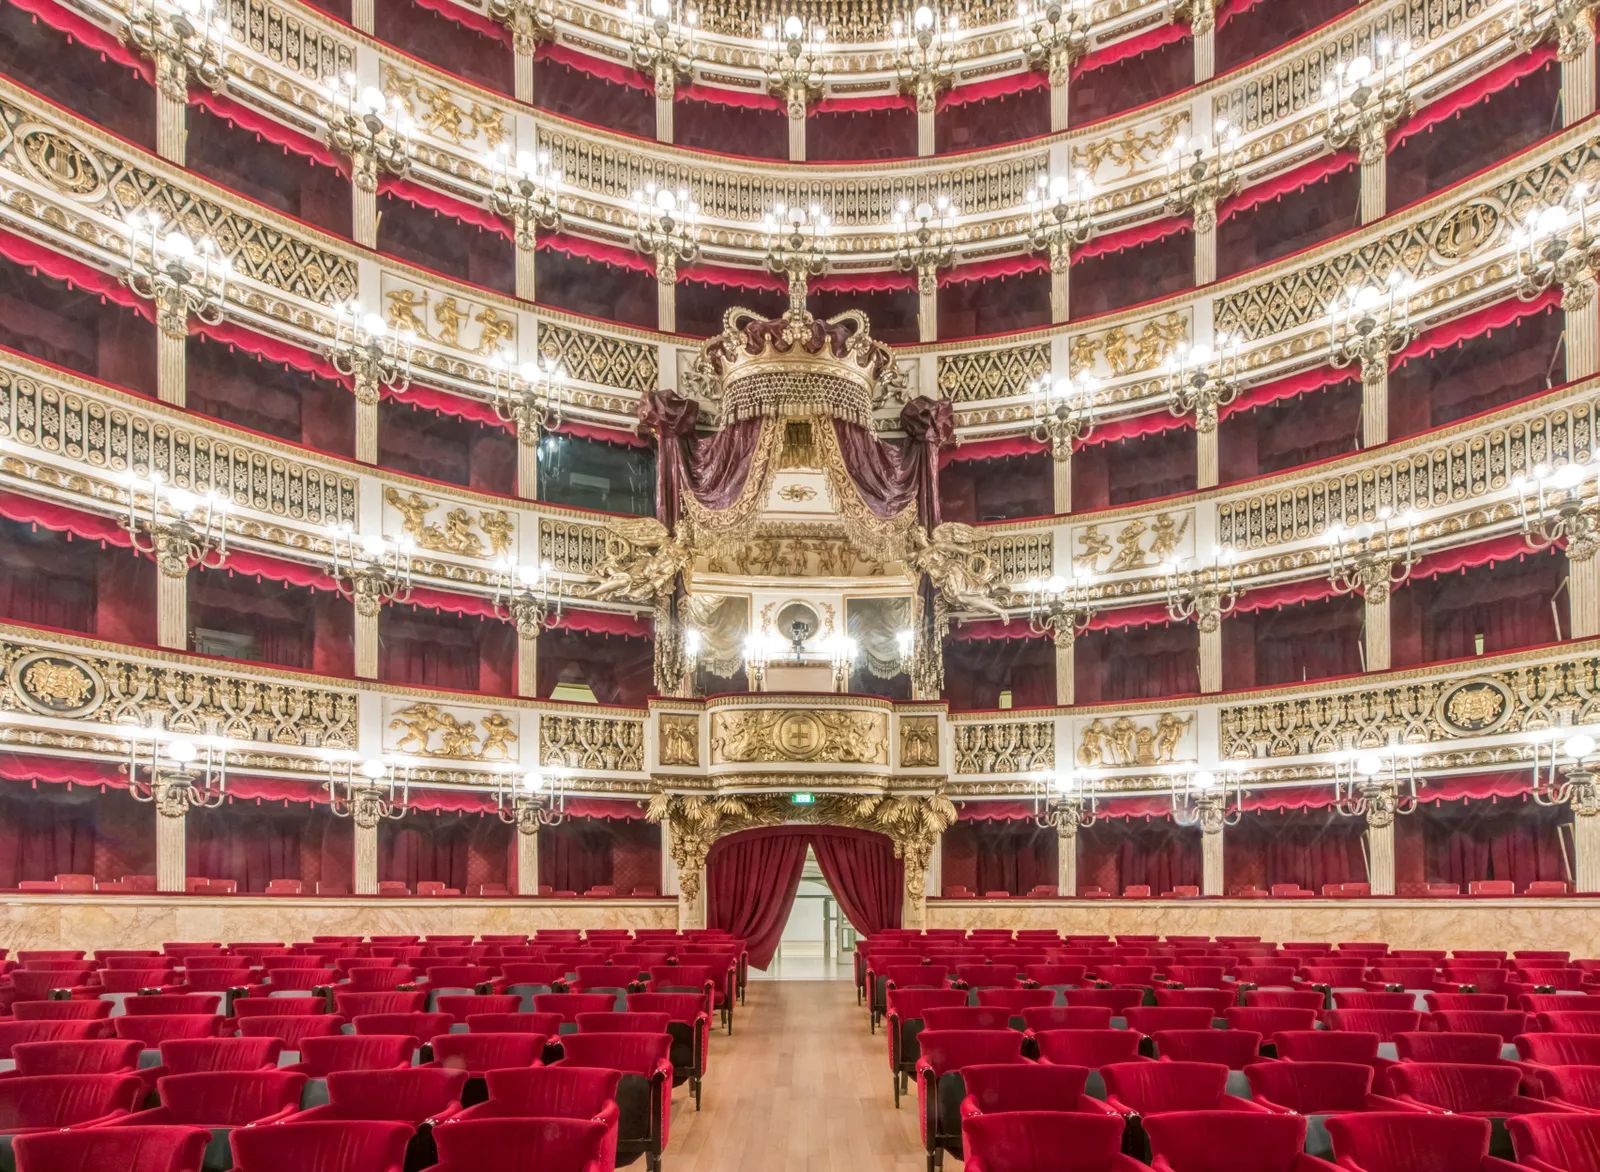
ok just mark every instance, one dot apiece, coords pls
pixel 778 736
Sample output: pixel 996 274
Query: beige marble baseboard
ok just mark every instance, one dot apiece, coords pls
pixel 1510 924
pixel 140 921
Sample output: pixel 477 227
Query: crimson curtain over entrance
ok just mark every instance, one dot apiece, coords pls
pixel 751 879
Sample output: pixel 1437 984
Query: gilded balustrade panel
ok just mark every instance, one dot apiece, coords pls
pixel 985 747
pixel 592 743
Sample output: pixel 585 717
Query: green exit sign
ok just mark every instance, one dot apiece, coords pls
pixel 802 799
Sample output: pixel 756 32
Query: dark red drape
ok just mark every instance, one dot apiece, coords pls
pixel 751 880
pixel 583 852
pixel 1513 839
pixel 714 469
pixel 1012 855
pixel 52 830
pixel 253 843
pixel 1306 847
pixel 862 872
pixel 458 850
pixel 1160 854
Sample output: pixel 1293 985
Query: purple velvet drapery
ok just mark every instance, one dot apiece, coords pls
pixel 714 469
pixel 751 879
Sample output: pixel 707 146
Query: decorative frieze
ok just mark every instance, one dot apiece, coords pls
pixel 984 747
pixel 591 744
pixel 970 376
pixel 601 359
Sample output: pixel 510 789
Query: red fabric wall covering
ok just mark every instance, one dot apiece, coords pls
pixel 1137 664
pixel 60 17
pixel 1313 640
pixel 253 847
pixel 1286 434
pixel 985 856
pixel 1463 842
pixel 1308 848
pixel 458 850
pixel 1117 853
pixel 1294 180
pixel 1154 456
pixel 1499 592
pixel 1474 91
pixel 72 830
pixel 601 850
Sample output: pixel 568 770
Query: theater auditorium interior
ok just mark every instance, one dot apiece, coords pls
pixel 875 552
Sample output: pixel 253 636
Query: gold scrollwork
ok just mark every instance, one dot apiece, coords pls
pixel 788 735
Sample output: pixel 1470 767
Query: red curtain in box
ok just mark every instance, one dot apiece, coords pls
pixel 585 852
pixel 1306 847
pixel 49 830
pixel 1469 841
pixel 253 843
pixel 1013 855
pixel 1117 853
pixel 458 850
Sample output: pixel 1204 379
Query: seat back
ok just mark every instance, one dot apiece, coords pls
pixel 1308 1045
pixel 229 1098
pixel 291 1031
pixel 173 1005
pixel 1578 1085
pixel 1119 1001
pixel 686 1007
pixel 1215 1001
pixel 1312 1088
pixel 1282 999
pixel 1092 1048
pixel 966 1017
pixel 1268 1021
pixel 1565 1140
pixel 1216 1141
pixel 402 1096
pixel 353 1005
pixel 1149 1018
pixel 125 1149
pixel 1386 1023
pixel 558 1092
pixel 1041 1141
pixel 61 1010
pixel 199 1055
pixel 628 1053
pixel 548 1024
pixel 460 1005
pixel 418 1025
pixel 1395 1141
pixel 151 1032
pixel 322 1056
pixel 96 1056
pixel 479 1052
pixel 278 1006
pixel 1234 1049
pixel 1475 1049
pixel 1560 1049
pixel 321 1146
pixel 1067 1017
pixel 1457 1086
pixel 1506 1024
pixel 632 1022
pixel 63 1100
pixel 1568 1023
pixel 1148 1087
pixel 554 1145
pixel 1024 1086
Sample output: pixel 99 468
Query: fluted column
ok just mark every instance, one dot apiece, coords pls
pixel 1060 289
pixel 1380 847
pixel 927 306
pixel 1375 628
pixel 1061 479
pixel 1205 242
pixel 1583 589
pixel 528 856
pixel 1067 859
pixel 1577 69
pixel 1207 465
pixel 925 133
pixel 366 634
pixel 1212 809
pixel 526 269
pixel 1582 312
pixel 528 663
pixel 797 139
pixel 172 603
pixel 663 116
pixel 171 837
pixel 172 105
pixel 666 295
pixel 1374 402
pixel 1372 151
pixel 364 200
pixel 1058 100
pixel 362 15
pixel 1211 658
pixel 366 424
pixel 1066 684
pixel 365 857
pixel 1586 835
pixel 528 467
pixel 522 81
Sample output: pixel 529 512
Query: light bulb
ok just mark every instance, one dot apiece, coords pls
pixel 373 769
pixel 792 28
pixel 1579 746
pixel 181 500
pixel 1368 764
pixel 184 752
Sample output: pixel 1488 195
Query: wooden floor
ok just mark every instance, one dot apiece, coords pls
pixel 801 1086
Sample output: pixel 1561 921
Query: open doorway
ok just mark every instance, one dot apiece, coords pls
pixel 818 942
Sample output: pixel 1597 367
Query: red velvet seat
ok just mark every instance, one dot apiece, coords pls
pixel 1567 1023
pixel 61 1010
pixel 224 1099
pixel 967 1017
pixel 1090 1048
pixel 378 979
pixel 1268 1021
pixel 244 1007
pixel 690 1028
pixel 1054 975
pixel 279 982
pixel 548 1024
pixel 137 980
pixel 1119 1001
pixel 1406 1141
pixel 1332 1046
pixel 905 1021
pixel 174 1005
pixel 521 1145
pixel 1147 1019
pixel 1209 1141
pixel 1145 1088
pixel 1474 1049
pixel 460 1005
pixel 476 1053
pixel 418 1025
pixel 1014 1001
pixel 644 1096
pixel 1386 1023
pixel 1537 1052
pixel 1282 999
pixel 410 1095
pixel 1463 1089
pixel 1494 1002
pixel 1067 1017
pixel 1198 976
pixel 321 1146
pixel 1374 1000
pixel 320 1057
pixel 1234 1049
pixel 569 1005
pixel 291 1031
pixel 151 1032
pixel 1310 1088
pixel 1507 1024
pixel 1025 1086
pixel 1217 1001
pixel 940 1087
pixel 1576 1087
pixel 198 1055
pixel 53 1101
pixel 555 1092
pixel 112 1149
pixel 1556 1143
pixel 1045 1141
pixel 88 1056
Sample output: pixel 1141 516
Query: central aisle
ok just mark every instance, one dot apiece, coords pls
pixel 801 1086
